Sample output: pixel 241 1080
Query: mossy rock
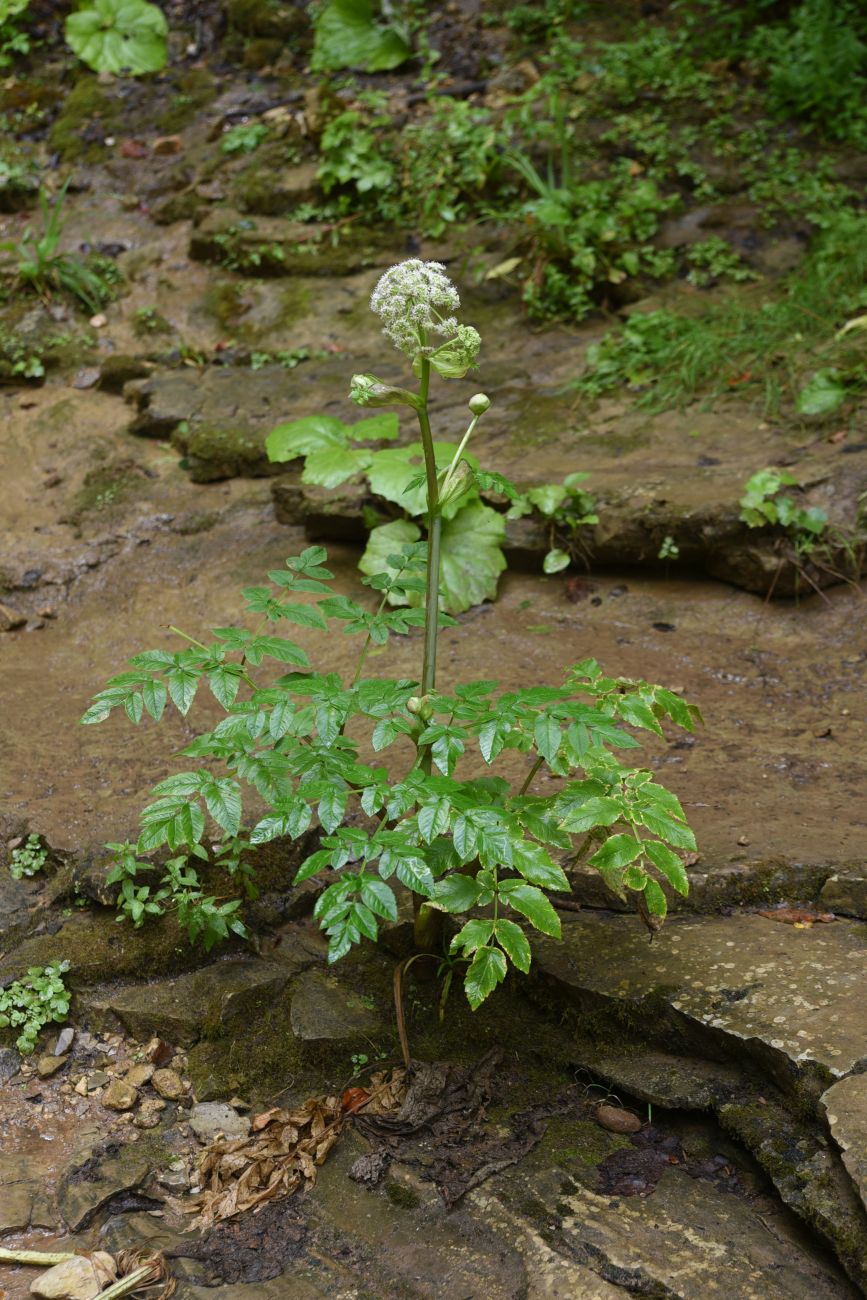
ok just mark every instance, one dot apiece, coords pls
pixel 190 92
pixel 276 246
pixel 88 114
pixel 220 452
pixel 98 948
pixel 32 343
pixel 274 181
pixel 269 18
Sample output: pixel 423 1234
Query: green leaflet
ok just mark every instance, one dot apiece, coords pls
pixel 824 394
pixel 487 970
pixel 119 36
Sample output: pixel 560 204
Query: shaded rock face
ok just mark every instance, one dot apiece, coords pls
pixel 771 1009
pixel 323 1008
pixel 90 1183
pixel 211 1000
pixel 845 1108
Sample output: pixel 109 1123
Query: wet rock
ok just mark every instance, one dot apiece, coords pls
pixel 274 190
pixel 64 1040
pixel 11 619
pixel 119 1095
pixel 279 19
pixel 98 949
pixel 10 1064
pixel 149 1113
pixel 180 1009
pixel 96 1079
pixel 323 1008
pixel 118 369
pixel 728 980
pixel 89 1183
pixel 139 1075
pixel 168 1085
pixel 79 1278
pixel 209 1118
pixel 16 1206
pixel 846 893
pixel 617 1120
pixel 845 1107
pixel 674 1242
pixel 723 986
pixel 47 1066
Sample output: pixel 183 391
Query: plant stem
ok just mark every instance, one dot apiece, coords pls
pixel 434 526
pixel 529 777
pixel 428 922
pixel 39 1258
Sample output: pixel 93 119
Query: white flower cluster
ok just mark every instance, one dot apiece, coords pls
pixel 416 301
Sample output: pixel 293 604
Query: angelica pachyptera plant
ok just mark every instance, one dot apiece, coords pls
pixel 432 816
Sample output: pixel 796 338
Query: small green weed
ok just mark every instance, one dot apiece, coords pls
pixel 42 267
pixel 713 260
pixel 568 509
pixel 35 1001
pixel 14 39
pixel 148 321
pixel 747 342
pixel 244 138
pixel 766 501
pixel 28 858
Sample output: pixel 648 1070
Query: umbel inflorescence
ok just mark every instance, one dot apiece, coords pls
pixel 416 302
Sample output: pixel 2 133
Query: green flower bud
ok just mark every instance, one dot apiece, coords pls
pixel 420 707
pixel 367 390
pixel 479 403
pixel 460 482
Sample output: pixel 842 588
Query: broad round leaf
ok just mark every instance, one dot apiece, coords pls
pixel 348 37
pixel 119 36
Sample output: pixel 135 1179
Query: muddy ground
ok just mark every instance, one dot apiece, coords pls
pixel 135 496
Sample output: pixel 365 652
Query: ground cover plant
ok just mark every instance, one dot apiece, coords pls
pixel 313 746
pixel 752 338
pixel 38 999
pixel 37 264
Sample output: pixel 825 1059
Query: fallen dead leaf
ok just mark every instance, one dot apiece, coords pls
pixel 283 1150
pixel 799 916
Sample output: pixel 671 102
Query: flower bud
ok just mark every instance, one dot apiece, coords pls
pixel 479 403
pixel 461 481
pixel 367 390
pixel 420 707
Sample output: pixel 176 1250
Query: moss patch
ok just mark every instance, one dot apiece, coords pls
pixel 191 91
pixel 89 113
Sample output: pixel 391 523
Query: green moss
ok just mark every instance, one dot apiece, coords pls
pixel 104 488
pixel 257 1062
pixel 97 949
pixel 267 18
pixel 87 104
pixel 218 452
pixel 192 91
pixel 403 1198
pixel 583 1142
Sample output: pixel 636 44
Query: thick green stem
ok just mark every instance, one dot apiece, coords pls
pixel 434 533
pixel 429 921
